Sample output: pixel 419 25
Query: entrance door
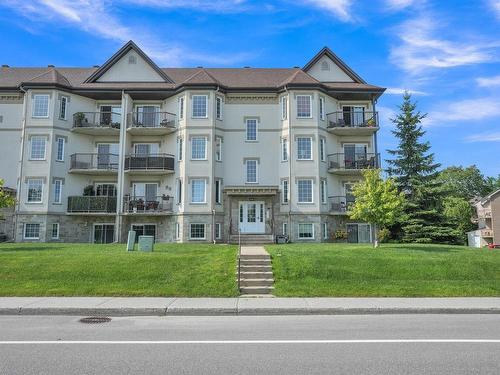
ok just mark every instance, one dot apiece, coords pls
pixel 104 233
pixel 252 217
pixel 358 233
pixel 352 233
pixel 107 155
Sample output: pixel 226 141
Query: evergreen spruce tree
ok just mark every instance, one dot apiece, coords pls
pixel 415 173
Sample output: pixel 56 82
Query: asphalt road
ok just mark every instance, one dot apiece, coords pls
pixel 348 344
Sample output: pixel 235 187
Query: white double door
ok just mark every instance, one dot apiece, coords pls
pixel 252 217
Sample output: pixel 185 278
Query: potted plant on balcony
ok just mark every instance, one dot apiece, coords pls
pixel 371 123
pixel 88 191
pixel 79 117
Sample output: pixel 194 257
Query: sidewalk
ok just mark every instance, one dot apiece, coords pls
pixel 122 306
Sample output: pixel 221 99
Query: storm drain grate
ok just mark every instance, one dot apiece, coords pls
pixel 95 320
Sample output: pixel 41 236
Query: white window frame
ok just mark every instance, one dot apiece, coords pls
pixel 284 229
pixel 218 231
pixel 204 190
pixel 218 148
pixel 28 190
pixel 181 108
pixel 256 171
pixel 256 130
pixel 305 238
pixel 52 231
pixel 323 191
pixel 204 231
pixel 35 97
pixel 285 184
pixel 205 140
pixel 177 231
pixel 178 189
pixel 284 107
pixel 321 108
pixel 218 191
pixel 206 106
pixel 65 100
pixel 322 149
pixel 310 106
pixel 60 141
pixel 24 231
pixel 44 138
pixel 325 230
pixel 310 149
pixel 58 197
pixel 284 149
pixel 312 190
pixel 218 107
pixel 180 147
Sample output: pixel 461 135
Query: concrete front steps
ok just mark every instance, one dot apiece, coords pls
pixel 256 275
pixel 252 239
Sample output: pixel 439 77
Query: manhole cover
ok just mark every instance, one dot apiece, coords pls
pixel 95 320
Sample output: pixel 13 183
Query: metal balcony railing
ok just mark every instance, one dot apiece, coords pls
pixel 347 161
pixel 163 162
pixel 340 203
pixel 151 120
pixel 96 161
pixel 486 233
pixel 91 204
pixel 143 204
pixel 97 120
pixel 341 119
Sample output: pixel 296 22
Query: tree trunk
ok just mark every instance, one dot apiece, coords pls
pixel 375 236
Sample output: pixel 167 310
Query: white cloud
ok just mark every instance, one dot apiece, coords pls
pixel 420 49
pixel 484 137
pixel 488 81
pixel 464 110
pixel 339 8
pixel 198 5
pixel 399 4
pixel 401 91
pixel 495 5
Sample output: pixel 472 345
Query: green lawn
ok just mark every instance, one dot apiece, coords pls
pixel 189 270
pixel 393 270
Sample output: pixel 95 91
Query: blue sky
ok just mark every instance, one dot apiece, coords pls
pixel 446 52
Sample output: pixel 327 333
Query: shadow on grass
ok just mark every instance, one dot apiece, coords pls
pixel 431 248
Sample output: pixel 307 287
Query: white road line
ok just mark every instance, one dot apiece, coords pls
pixel 196 342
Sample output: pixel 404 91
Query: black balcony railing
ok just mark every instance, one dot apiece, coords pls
pixel 163 162
pixel 341 204
pixel 351 119
pixel 353 161
pixel 91 161
pixel 144 204
pixel 151 120
pixel 97 120
pixel 91 204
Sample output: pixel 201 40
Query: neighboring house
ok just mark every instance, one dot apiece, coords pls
pixel 487 217
pixel 186 154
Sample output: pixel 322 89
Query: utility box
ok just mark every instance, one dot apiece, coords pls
pixel 146 243
pixel 281 239
pixel 131 240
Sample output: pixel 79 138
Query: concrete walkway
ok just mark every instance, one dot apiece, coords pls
pixel 253 250
pixel 118 306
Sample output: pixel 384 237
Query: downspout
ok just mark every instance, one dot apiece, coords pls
pixel 20 176
pixel 121 162
pixel 290 159
pixel 212 160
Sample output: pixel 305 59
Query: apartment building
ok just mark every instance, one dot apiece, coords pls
pixel 186 154
pixel 486 215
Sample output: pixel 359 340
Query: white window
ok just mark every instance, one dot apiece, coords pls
pixel 218 192
pixel 251 129
pixel 218 149
pixel 306 230
pixel 180 146
pixel 198 148
pixel 325 231
pixel 304 148
pixel 35 190
pixel 177 231
pixel 145 149
pixel 285 191
pixel 321 108
pixel 198 191
pixel 60 149
pixel 200 106
pixel 181 107
pixel 38 148
pixel 305 191
pixel 284 107
pixel 55 231
pixel 284 149
pixel 63 107
pixel 58 185
pixel 41 106
pixel 218 231
pixel 304 106
pixel 251 166
pixel 179 191
pixel 31 231
pixel 323 191
pixel 285 229
pixel 322 149
pixel 197 231
pixel 218 108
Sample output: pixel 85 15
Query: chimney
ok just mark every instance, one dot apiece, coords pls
pixel 50 66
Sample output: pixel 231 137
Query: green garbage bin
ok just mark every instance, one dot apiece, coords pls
pixel 146 243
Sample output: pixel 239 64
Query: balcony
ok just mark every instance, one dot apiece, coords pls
pixel 352 123
pixel 488 233
pixel 97 123
pixel 149 164
pixel 94 164
pixel 159 205
pixel 91 205
pixel 151 123
pixel 352 164
pixel 340 205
